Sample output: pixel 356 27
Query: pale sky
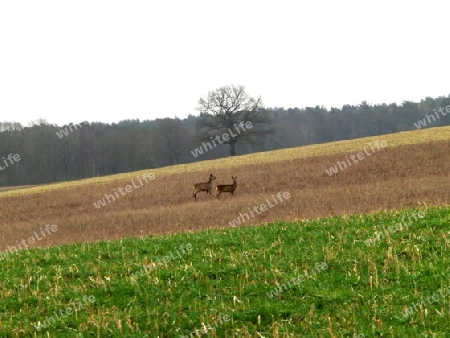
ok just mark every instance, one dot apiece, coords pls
pixel 74 61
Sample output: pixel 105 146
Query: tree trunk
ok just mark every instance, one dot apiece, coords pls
pixel 232 147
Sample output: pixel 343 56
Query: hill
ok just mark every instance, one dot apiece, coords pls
pixel 383 273
pixel 412 170
pixel 51 153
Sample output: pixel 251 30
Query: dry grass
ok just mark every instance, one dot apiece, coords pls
pixel 413 170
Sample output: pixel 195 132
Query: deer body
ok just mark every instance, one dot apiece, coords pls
pixel 220 188
pixel 203 186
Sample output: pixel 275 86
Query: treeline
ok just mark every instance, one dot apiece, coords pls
pixel 50 153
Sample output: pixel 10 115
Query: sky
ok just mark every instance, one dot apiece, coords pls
pixel 107 61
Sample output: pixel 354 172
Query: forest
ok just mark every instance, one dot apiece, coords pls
pixel 44 153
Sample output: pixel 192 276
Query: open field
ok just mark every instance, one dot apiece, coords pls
pixel 316 278
pixel 377 265
pixel 411 171
pixel 2 189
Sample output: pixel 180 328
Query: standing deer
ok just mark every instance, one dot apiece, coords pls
pixel 204 186
pixel 227 187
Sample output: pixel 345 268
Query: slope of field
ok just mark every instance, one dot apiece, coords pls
pixel 379 275
pixel 413 170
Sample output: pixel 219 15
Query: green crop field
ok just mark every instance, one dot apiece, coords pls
pixel 375 275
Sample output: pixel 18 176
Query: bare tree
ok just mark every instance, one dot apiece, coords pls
pixel 228 115
pixel 10 126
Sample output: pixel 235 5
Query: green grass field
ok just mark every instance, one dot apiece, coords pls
pixel 317 278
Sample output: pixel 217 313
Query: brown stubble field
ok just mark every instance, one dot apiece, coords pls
pixel 398 177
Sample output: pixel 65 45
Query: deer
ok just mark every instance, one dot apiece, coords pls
pixel 220 188
pixel 203 186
